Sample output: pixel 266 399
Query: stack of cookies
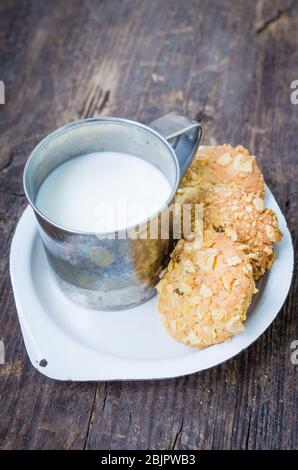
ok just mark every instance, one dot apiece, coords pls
pixel 206 290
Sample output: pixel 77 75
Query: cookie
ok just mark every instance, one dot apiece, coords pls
pixel 206 290
pixel 243 218
pixel 221 164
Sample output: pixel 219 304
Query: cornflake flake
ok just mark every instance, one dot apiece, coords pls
pixel 225 159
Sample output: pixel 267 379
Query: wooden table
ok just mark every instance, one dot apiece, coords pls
pixel 230 64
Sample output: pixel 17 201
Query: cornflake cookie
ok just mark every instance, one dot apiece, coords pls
pixel 244 220
pixel 205 291
pixel 221 164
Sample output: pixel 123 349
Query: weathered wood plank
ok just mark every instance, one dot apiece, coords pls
pixel 230 64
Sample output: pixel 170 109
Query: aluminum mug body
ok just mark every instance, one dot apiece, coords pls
pixel 110 271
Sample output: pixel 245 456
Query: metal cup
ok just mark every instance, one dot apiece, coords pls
pixel 110 272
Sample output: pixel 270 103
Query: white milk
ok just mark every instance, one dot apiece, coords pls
pixel 102 192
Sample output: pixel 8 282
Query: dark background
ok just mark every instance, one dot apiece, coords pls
pixel 228 63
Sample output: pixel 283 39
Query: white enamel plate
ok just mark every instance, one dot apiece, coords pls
pixel 67 342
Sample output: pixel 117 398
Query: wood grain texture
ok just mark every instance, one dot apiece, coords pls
pixel 230 63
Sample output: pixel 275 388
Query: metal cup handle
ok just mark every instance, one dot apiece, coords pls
pixel 183 134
